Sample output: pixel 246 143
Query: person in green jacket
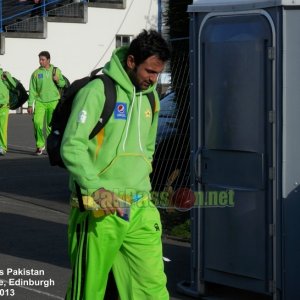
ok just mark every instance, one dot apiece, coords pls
pixel 6 82
pixel 120 228
pixel 44 95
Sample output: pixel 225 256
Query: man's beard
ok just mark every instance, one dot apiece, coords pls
pixel 133 78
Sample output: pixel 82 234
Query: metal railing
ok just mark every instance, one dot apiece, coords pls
pixel 25 11
pixel 67 10
pixel 12 13
pixel 171 164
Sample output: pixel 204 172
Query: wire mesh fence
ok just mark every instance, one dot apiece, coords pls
pixel 171 165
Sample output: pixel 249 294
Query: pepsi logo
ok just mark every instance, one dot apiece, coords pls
pixel 121 108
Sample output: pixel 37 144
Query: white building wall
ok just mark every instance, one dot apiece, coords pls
pixel 77 49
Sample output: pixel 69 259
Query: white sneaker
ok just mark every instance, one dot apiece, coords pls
pixel 39 151
pixel 2 151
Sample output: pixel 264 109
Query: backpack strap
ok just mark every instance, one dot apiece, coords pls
pixel 11 86
pixel 79 197
pixel 109 104
pixel 95 72
pixel 151 99
pixel 53 74
pixel 54 71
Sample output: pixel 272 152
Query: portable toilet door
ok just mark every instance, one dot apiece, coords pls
pixel 233 138
pixel 245 107
pixel 237 150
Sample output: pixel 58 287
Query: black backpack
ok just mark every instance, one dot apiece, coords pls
pixel 63 109
pixel 17 95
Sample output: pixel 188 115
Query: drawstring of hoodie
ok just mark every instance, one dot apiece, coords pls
pixel 129 118
pixel 139 120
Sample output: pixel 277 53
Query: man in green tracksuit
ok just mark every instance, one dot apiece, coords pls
pixel 6 82
pixel 44 94
pixel 115 165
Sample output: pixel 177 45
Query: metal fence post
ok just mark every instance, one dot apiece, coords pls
pixel 1 17
pixel 44 8
pixel 159 22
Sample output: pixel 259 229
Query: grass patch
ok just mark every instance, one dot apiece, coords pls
pixel 176 224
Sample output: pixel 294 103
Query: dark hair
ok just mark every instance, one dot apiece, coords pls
pixel 45 53
pixel 149 43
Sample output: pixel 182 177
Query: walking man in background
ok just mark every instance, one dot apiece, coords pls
pixel 44 95
pixel 116 161
pixel 6 82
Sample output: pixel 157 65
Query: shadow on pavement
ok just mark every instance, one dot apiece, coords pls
pixel 34 239
pixel 34 178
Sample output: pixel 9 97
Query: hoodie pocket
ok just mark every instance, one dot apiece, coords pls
pixel 130 170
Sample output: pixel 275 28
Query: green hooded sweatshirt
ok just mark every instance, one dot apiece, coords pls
pixel 119 157
pixel 5 84
pixel 42 87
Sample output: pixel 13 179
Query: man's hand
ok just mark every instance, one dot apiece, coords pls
pixel 30 110
pixel 108 201
pixel 55 78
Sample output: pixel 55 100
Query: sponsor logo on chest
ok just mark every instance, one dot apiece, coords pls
pixel 120 111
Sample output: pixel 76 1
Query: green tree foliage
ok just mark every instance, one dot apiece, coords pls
pixel 178 19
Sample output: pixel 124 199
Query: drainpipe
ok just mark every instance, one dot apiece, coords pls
pixel 44 8
pixel 1 17
pixel 159 21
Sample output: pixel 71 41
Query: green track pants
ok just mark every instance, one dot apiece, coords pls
pixel 4 110
pixel 132 249
pixel 40 111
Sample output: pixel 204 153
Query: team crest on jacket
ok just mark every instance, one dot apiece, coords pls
pixel 147 113
pixel 120 111
pixel 40 76
pixel 82 116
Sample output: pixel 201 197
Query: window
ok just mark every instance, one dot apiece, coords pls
pixel 108 3
pixel 123 40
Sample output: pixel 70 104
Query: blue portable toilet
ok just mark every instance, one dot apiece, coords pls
pixel 245 123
